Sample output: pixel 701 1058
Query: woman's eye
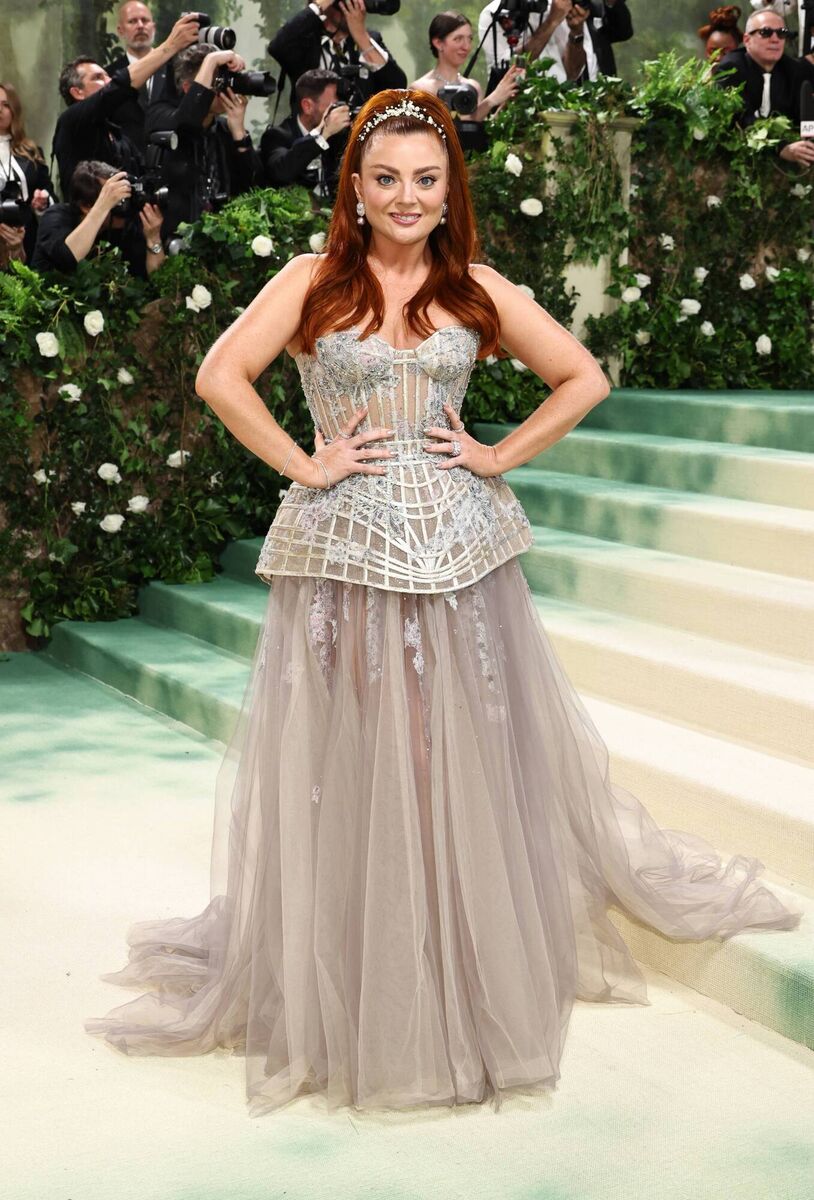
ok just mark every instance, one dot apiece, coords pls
pixel 427 180
pixel 384 179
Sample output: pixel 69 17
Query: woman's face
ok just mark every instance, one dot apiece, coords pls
pixel 456 47
pixel 403 184
pixel 5 112
pixel 720 43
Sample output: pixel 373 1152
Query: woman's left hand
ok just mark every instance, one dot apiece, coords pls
pixel 40 200
pixel 477 458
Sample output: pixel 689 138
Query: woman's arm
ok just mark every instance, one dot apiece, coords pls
pixel 577 381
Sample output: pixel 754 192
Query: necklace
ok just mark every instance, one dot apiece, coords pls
pixel 436 74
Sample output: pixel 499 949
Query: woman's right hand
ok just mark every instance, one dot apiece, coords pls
pixel 349 455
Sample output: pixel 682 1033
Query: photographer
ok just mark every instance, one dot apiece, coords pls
pixel 86 131
pixel 25 185
pixel 450 37
pixel 307 148
pixel 214 159
pixel 98 216
pixel 771 79
pixel 135 28
pixel 330 36
pixel 577 34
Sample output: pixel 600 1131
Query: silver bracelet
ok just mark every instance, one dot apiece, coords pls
pixel 288 458
pixel 325 471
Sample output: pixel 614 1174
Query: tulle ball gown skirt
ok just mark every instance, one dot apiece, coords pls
pixel 416 842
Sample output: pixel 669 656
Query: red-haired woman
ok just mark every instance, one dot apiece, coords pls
pixel 22 166
pixel 423 840
pixel 721 32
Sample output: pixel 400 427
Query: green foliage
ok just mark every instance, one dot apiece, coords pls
pixel 63 416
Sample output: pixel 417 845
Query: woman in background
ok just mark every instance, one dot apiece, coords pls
pixel 23 175
pixel 450 36
pixel 721 33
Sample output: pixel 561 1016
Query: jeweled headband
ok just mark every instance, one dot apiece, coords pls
pixel 405 108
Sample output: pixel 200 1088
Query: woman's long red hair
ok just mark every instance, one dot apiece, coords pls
pixel 345 292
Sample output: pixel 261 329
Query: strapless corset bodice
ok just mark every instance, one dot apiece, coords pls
pixel 416 528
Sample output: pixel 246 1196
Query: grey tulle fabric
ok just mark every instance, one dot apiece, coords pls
pixel 418 845
pixel 416 839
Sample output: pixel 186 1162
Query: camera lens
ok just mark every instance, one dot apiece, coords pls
pixel 219 36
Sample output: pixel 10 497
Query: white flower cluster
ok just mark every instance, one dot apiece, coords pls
pixel 531 207
pixel 94 323
pixel 513 165
pixel 201 298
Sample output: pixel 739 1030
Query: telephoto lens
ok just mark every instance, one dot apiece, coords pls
pixel 219 36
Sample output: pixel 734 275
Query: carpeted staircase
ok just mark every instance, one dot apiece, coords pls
pixel 673 567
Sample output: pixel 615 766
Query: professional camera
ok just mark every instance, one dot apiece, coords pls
pixel 382 8
pixel 347 90
pixel 150 188
pixel 13 209
pixel 219 36
pixel 459 97
pixel 245 83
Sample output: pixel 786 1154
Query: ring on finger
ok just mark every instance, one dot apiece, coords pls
pixel 346 436
pixel 456 447
pixel 457 428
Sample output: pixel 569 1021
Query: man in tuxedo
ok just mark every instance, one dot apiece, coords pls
pixel 306 147
pixel 136 29
pixel 771 79
pixel 87 131
pixel 330 35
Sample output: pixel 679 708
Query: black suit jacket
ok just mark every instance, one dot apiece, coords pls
pixel 787 78
pixel 297 47
pixel 616 26
pixel 287 155
pixel 36 176
pixel 87 130
pixel 131 115
pixel 201 152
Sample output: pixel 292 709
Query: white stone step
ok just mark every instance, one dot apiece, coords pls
pixel 726 792
pixel 757 609
pixel 761 699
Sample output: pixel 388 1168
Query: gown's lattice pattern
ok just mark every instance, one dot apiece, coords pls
pixel 416 528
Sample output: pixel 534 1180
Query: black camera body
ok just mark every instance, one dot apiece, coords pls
pixel 382 8
pixel 245 83
pixel 149 188
pixel 459 98
pixel 13 209
pixel 219 36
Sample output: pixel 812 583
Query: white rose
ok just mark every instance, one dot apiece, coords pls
pixel 490 360
pixel 763 345
pixel 40 476
pixel 262 246
pixel 317 242
pixel 513 165
pixel 708 329
pixel 801 189
pixel 747 282
pixel 526 290
pixel 94 323
pixel 138 504
pixel 700 274
pixel 714 201
pixel 689 308
pixel 47 344
pixel 772 273
pixel 124 376
pixel 531 207
pixel 517 364
pixel 109 472
pixel 631 294
pixel 699 134
pixel 642 281
pixel 667 241
pixel 642 337
pixel 201 296
pixel 803 255
pixel 70 393
pixel 112 523
pixel 191 305
pixel 177 458
pixel 78 507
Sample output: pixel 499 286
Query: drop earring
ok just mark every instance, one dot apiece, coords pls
pixel 360 212
pixel 444 211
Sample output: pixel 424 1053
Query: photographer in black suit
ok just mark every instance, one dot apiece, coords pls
pixel 331 35
pixel 306 148
pixel 136 29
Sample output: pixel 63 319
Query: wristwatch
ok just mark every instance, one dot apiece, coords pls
pixel 156 248
pixel 576 37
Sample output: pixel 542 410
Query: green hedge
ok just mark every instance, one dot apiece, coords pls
pixel 111 384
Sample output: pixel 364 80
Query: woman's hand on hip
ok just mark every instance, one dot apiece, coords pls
pixel 350 453
pixel 461 448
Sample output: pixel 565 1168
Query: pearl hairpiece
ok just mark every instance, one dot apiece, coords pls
pixel 405 108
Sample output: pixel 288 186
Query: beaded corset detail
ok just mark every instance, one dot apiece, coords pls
pixel 416 528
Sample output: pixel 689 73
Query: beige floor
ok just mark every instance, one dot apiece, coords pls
pixel 105 819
